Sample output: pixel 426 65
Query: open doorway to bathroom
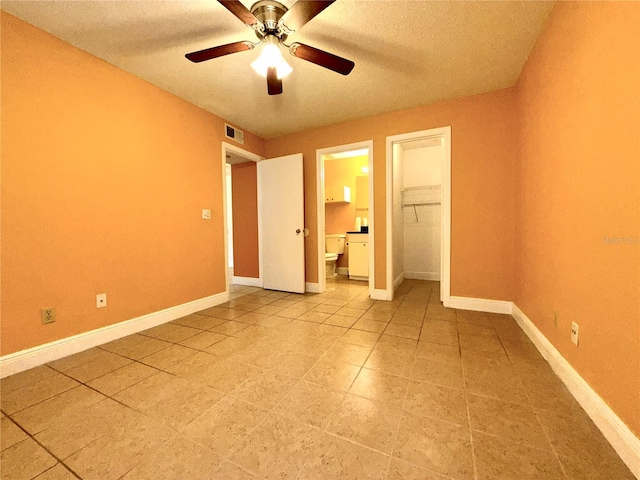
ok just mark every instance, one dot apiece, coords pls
pixel 419 208
pixel 345 214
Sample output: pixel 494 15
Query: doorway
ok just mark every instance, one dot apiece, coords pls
pixel 242 263
pixel 419 208
pixel 345 207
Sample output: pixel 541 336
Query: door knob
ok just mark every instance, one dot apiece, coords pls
pixel 298 231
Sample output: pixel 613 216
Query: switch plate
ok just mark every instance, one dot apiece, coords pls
pixel 101 300
pixel 206 214
pixel 48 315
pixel 575 329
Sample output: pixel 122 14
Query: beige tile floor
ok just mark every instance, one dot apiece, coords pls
pixel 276 385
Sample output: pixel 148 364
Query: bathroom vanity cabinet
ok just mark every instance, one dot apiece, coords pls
pixel 358 244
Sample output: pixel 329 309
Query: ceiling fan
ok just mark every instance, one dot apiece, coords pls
pixel 272 23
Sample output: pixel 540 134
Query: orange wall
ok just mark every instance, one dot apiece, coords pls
pixel 103 180
pixel 484 133
pixel 341 217
pixel 244 188
pixel 578 183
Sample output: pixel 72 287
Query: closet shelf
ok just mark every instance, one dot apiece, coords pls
pixel 415 204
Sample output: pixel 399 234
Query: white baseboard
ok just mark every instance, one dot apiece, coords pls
pixel 246 281
pixel 621 438
pixel 433 276
pixel 35 356
pixel 480 305
pixel 398 281
pixel 312 287
pixel 382 295
pixel 342 270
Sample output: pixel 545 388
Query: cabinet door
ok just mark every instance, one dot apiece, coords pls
pixel 358 259
pixel 328 194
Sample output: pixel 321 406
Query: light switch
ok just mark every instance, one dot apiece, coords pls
pixel 206 214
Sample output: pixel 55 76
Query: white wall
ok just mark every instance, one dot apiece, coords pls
pixel 422 167
pixel 397 221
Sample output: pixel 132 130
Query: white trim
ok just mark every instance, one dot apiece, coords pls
pixel 342 270
pixel 379 294
pixel 398 281
pixel 367 144
pixel 479 305
pixel 312 287
pixel 322 282
pixel 433 276
pixel 619 435
pixel 255 158
pixel 445 244
pixel 247 281
pixel 371 214
pixel 32 357
pixel 229 275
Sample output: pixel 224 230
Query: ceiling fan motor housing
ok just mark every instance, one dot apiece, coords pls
pixel 269 13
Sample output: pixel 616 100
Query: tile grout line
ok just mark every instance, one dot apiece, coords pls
pixel 544 431
pixel 474 459
pixel 406 392
pixel 32 437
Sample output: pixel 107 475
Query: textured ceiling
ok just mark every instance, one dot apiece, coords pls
pixel 406 53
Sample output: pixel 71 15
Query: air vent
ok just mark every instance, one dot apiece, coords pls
pixel 234 133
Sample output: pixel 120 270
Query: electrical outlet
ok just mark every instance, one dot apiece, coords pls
pixel 555 319
pixel 101 300
pixel 48 315
pixel 575 329
pixel 206 214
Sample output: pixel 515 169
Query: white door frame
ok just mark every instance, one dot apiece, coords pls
pixel 368 144
pixel 255 158
pixel 445 242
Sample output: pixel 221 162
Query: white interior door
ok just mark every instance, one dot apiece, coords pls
pixel 281 213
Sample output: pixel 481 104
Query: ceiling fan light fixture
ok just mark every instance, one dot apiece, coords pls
pixel 271 57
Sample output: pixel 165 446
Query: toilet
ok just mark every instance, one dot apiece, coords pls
pixel 333 246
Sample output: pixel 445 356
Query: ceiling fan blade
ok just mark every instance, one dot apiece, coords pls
pixel 215 52
pixel 303 11
pixel 240 11
pixel 274 84
pixel 322 58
